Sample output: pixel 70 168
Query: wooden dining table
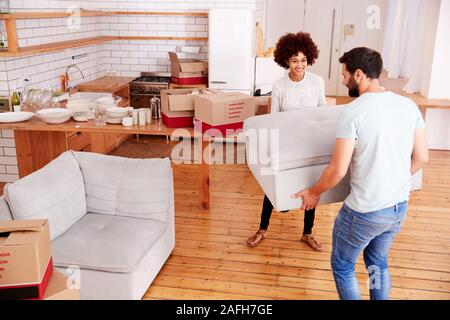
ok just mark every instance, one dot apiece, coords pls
pixel 38 143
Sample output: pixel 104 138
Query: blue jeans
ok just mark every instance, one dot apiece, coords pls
pixel 373 233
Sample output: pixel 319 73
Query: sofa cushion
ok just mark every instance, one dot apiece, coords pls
pixel 55 192
pixel 126 187
pixel 304 137
pixel 106 242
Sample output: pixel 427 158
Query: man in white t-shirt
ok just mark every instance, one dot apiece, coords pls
pixel 381 137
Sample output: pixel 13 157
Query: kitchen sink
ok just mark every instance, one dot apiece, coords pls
pixel 88 95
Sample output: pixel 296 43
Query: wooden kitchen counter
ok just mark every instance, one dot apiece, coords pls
pixel 155 128
pixel 105 84
pixel 38 143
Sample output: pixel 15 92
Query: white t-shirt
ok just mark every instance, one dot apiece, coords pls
pixel 289 95
pixel 383 125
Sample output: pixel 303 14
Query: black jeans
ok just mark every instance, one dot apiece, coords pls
pixel 267 212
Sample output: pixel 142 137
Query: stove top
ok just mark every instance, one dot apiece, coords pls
pixel 152 79
pixel 150 83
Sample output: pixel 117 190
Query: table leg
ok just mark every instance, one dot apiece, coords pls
pixel 205 170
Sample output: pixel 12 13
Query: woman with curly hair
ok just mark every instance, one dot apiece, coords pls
pixel 297 89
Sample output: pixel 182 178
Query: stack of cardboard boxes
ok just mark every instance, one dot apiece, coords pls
pixel 208 109
pixel 26 266
pixel 187 102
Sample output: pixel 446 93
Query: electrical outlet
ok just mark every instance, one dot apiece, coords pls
pixel 349 30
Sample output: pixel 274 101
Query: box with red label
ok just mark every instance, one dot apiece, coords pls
pixel 61 288
pixel 177 106
pixel 25 259
pixel 225 111
pixel 188 71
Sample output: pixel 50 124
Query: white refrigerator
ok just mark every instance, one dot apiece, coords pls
pixel 231 50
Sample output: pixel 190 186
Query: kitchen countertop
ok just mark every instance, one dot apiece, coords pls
pixel 105 84
pixel 154 128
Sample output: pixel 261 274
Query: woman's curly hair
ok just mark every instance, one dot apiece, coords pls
pixel 291 44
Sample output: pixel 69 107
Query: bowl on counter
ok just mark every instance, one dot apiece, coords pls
pixel 80 109
pixel 17 116
pixel 54 115
pixel 117 112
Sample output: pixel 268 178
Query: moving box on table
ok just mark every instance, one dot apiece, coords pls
pixel 223 111
pixel 177 106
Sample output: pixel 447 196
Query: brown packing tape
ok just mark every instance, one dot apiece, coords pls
pixel 21 238
pixel 22 225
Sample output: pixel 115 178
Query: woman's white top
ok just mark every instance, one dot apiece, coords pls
pixel 290 95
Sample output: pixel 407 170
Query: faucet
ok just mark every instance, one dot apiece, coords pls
pixel 67 76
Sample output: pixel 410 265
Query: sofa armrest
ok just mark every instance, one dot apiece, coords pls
pixel 5 212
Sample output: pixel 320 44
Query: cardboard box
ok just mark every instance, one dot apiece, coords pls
pixel 59 289
pixel 223 111
pixel 178 99
pixel 177 107
pixel 175 119
pixel 171 121
pixel 188 71
pixel 25 259
pixel 182 99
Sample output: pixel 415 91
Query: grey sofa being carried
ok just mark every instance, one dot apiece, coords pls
pixel 111 219
pixel 288 151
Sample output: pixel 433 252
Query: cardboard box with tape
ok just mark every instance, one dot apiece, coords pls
pixel 25 259
pixel 224 112
pixel 177 106
pixel 188 71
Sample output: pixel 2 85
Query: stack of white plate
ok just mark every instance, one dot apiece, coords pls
pixel 116 114
pixel 80 109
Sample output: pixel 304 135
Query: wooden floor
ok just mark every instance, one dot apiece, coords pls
pixel 212 261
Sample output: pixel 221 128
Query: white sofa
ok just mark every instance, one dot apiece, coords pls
pixel 111 217
pixel 288 151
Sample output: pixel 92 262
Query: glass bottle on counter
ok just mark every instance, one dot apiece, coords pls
pixel 15 100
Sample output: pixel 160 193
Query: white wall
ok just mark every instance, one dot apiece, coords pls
pixel 288 16
pixel 282 16
pixel 439 87
pixel 355 13
pixel 127 58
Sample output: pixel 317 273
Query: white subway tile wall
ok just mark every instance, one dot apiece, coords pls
pixel 125 57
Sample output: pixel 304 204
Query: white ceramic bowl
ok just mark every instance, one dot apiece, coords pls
pixel 106 100
pixel 54 115
pixel 17 116
pixel 80 109
pixel 117 112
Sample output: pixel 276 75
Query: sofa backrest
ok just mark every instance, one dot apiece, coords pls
pixel 54 192
pixel 292 139
pixel 126 187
